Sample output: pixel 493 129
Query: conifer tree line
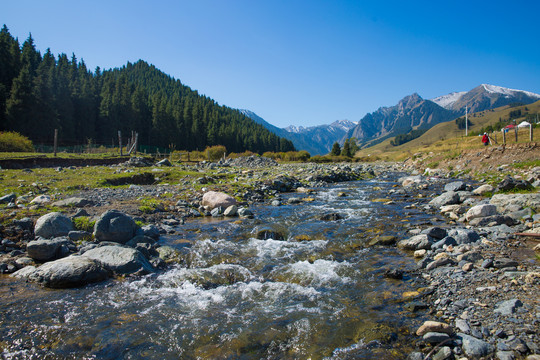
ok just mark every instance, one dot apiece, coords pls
pixel 40 93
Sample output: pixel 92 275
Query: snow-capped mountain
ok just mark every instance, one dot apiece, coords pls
pixel 413 112
pixel 484 97
pixel 446 101
pixel 294 129
pixel 317 140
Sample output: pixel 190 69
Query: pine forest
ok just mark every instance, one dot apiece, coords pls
pixel 41 93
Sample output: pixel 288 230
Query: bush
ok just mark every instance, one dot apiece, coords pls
pixel 14 142
pixel 216 152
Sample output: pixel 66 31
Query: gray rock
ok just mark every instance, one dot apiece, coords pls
pixel 53 225
pixel 440 262
pixel 509 183
pixel 164 162
pixel 168 254
pixel 455 186
pixel 65 273
pixel 502 263
pixel 231 211
pixel 415 356
pixel 447 241
pixel 475 348
pixel 435 232
pixel 444 353
pixel 483 189
pixel 74 201
pixel 514 202
pixel 417 242
pixel 45 250
pixel 6 199
pixel 41 199
pixel 77 235
pixel 464 236
pixel 487 263
pixel 435 337
pixel 115 226
pixel 149 230
pixel 140 239
pixel 246 213
pixel 508 307
pixel 216 212
pixel 120 259
pixel 24 223
pixel 505 355
pixel 213 199
pixel 447 198
pixel 480 211
pixel 463 326
pixel 493 221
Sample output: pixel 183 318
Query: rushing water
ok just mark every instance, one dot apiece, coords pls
pixel 319 294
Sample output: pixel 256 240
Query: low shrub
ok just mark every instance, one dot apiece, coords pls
pixel 11 141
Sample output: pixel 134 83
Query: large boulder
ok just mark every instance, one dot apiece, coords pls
pixel 455 186
pixel 45 250
pixel 53 225
pixel 483 189
pixel 480 211
pixel 513 202
pixel 120 259
pixel 417 242
pixel 464 236
pixel 214 199
pixel 115 226
pixel 447 198
pixel 475 348
pixel 65 273
pixel 509 183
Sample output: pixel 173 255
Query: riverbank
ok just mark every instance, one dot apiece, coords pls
pixel 470 264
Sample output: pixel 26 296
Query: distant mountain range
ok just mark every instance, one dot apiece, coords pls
pixel 413 112
pixel 317 140
pixel 410 113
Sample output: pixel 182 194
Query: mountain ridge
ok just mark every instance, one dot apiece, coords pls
pixel 412 112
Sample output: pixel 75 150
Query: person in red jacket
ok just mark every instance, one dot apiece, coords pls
pixel 485 139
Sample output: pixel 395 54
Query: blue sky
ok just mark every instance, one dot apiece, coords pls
pixel 294 61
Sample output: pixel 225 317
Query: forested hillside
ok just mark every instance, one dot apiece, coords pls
pixel 40 93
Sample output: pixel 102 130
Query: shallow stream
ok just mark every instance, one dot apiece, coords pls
pixel 320 293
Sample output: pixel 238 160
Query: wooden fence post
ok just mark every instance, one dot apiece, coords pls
pixel 120 141
pixel 55 141
pixel 515 131
pixel 504 136
pixel 531 133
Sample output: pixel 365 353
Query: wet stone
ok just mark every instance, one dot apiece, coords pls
pixel 435 337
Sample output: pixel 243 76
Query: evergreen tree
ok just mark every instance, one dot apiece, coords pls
pixel 336 149
pixel 346 150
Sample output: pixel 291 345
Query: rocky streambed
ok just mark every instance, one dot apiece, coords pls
pixel 346 261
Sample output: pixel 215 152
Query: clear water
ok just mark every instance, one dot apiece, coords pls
pixel 319 294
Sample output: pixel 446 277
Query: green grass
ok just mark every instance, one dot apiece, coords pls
pixel 84 223
pixel 527 164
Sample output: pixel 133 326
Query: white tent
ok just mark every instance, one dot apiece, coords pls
pixel 523 124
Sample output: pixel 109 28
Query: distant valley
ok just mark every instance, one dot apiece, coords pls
pixel 317 140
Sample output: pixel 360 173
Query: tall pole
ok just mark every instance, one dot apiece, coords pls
pixel 466 122
pixel 55 141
